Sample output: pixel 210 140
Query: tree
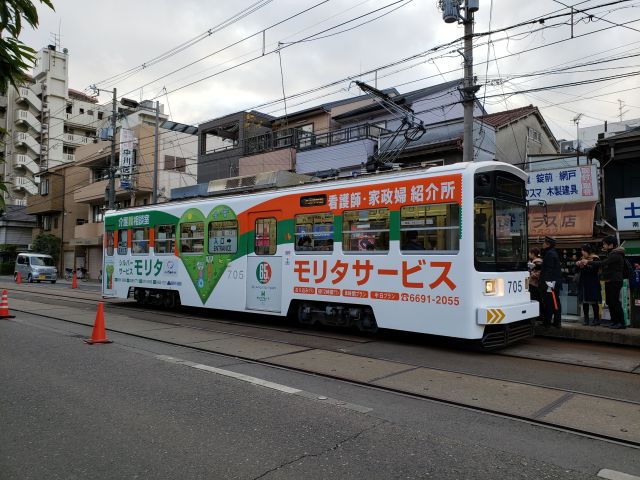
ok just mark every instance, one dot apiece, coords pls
pixel 15 56
pixel 47 243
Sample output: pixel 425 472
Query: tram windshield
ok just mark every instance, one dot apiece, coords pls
pixel 500 235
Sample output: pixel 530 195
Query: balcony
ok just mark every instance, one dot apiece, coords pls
pixel 25 116
pixel 95 191
pixel 24 161
pixel 88 231
pixel 22 202
pixel 27 95
pixel 27 140
pixel 24 183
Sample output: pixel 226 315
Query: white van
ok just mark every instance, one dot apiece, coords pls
pixel 35 267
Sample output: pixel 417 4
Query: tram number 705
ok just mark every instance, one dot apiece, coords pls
pixel 515 286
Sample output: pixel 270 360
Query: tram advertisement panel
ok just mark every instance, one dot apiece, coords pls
pixel 264 283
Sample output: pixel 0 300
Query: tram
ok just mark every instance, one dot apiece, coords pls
pixel 439 251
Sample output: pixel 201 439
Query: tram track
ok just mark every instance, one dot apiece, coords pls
pixel 190 315
pixel 399 391
pixel 281 361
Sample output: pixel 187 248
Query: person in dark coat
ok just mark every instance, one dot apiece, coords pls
pixel 549 284
pixel 589 291
pixel 611 272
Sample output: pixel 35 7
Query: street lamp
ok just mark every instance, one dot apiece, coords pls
pixel 133 104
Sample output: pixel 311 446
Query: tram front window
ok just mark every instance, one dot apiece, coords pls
pixel 500 235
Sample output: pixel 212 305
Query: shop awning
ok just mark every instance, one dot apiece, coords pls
pixel 631 247
pixel 562 220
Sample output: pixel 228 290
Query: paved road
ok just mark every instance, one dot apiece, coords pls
pixel 139 408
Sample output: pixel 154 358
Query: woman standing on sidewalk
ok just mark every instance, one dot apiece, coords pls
pixel 589 292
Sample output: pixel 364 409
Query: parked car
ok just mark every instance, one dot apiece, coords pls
pixel 35 267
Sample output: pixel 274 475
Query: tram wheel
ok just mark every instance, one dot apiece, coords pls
pixel 367 323
pixel 305 315
pixel 169 300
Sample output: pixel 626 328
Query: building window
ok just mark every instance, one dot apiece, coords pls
pixel 430 227
pixel 177 164
pixel 366 230
pixel 44 186
pixel 46 222
pixel 69 108
pixel 266 236
pixel 122 242
pixel 165 239
pixel 109 243
pixel 535 135
pixel 55 222
pixel 82 110
pixel 314 232
pixel 97 214
pixel 192 237
pixel 100 115
pixel 90 112
pixel 140 242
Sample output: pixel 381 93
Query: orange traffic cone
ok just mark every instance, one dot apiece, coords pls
pixel 18 278
pixel 99 335
pixel 4 306
pixel 74 281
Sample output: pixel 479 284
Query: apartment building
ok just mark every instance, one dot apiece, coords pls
pixel 86 182
pixel 45 123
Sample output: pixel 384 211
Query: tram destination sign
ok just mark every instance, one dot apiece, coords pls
pixel 563 185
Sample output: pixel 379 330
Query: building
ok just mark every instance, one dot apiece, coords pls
pixel 338 138
pixel 520 134
pixel 15 228
pixel 177 147
pixel 46 121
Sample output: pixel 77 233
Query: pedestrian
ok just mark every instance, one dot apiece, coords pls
pixel 589 291
pixel 550 281
pixel 611 272
pixel 535 267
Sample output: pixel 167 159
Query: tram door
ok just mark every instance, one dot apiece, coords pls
pixel 264 265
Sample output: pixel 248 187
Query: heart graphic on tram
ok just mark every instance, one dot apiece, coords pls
pixel 207 246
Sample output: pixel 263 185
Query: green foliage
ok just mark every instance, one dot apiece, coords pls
pixel 7 268
pixel 47 243
pixel 15 56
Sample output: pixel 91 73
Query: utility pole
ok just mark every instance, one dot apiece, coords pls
pixel 451 13
pixel 576 120
pixel 154 193
pixel 112 160
pixel 111 187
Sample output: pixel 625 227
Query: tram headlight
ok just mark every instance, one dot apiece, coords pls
pixel 491 287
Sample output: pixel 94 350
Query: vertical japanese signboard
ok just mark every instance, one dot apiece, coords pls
pixel 126 157
pixel 628 213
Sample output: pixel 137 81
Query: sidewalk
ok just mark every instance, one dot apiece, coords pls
pixel 572 329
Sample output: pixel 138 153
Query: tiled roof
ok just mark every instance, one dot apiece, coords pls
pixel 506 117
pixel 82 96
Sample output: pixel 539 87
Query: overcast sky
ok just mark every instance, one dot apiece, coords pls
pixel 108 39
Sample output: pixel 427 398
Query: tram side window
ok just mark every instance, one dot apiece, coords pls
pixel 365 230
pixel 192 237
pixel 266 236
pixel 110 243
pixel 140 241
pixel 223 236
pixel 122 241
pixel 314 232
pixel 430 228
pixel 165 239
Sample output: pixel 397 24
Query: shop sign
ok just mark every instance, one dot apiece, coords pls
pixel 563 185
pixel 126 157
pixel 628 213
pixel 561 220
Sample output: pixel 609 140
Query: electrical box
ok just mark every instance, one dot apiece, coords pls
pixel 450 11
pixel 472 5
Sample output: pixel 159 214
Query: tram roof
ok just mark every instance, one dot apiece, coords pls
pixel 333 182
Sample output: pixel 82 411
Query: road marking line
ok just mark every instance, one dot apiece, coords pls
pixel 266 383
pixel 614 475
pixel 229 373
